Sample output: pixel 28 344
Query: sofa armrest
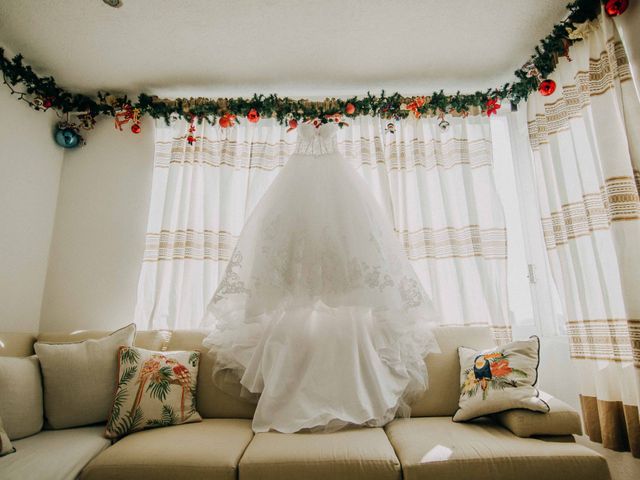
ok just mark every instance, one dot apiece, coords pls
pixel 560 420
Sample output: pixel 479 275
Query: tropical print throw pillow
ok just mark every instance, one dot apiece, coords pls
pixel 499 379
pixel 155 389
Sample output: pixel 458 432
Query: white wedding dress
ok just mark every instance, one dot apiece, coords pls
pixel 319 311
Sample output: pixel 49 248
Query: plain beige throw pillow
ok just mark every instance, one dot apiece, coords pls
pixel 80 378
pixel 20 396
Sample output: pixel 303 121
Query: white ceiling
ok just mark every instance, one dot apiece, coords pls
pixel 299 48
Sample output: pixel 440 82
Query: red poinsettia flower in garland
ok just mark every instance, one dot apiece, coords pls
pixel 253 116
pixel 227 120
pixel 492 106
pixel 415 105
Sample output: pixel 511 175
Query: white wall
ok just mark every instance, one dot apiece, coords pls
pixel 30 164
pixel 98 240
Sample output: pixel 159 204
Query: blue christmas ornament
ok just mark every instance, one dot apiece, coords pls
pixel 67 137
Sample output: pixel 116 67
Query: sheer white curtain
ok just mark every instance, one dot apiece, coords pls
pixel 586 159
pixel 436 186
pixel 200 197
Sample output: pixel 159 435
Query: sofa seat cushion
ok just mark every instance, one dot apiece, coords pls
pixel 53 454
pixel 210 449
pixel 362 453
pixel 436 447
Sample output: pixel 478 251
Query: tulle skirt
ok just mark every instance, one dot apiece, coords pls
pixel 319 313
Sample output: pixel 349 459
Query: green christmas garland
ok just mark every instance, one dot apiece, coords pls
pixel 43 93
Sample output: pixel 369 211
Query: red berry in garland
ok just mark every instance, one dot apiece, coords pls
pixel 253 116
pixel 547 87
pixel 616 7
pixel 135 128
pixel 350 109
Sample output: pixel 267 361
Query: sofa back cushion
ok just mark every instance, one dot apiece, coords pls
pixel 212 402
pixel 21 396
pixel 441 398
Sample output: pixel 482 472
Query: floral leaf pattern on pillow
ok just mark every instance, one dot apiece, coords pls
pixel 490 371
pixel 155 389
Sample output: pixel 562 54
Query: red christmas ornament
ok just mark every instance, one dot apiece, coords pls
pixel 46 103
pixel 616 7
pixel 293 124
pixel 493 105
pixel 135 128
pixel 253 116
pixel 547 87
pixel 350 109
pixel 227 120
pixel 191 139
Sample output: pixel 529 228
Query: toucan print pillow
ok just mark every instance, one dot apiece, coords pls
pixel 499 379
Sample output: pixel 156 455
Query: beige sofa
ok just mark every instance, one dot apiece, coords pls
pixel 427 446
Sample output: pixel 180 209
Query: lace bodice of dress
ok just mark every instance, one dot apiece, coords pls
pixel 317 140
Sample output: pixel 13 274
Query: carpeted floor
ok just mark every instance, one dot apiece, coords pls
pixel 621 464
